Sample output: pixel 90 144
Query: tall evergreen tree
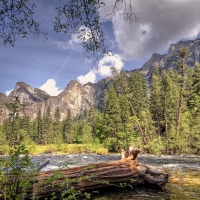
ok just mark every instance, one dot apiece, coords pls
pixel 112 119
pixel 139 98
pixel 156 100
pixel 67 128
pixel 128 131
pixel 38 128
pixel 138 92
pixel 91 119
pixel 193 104
pixel 122 87
pixel 47 132
pixel 169 96
pixel 57 136
pixel 26 126
pixel 182 69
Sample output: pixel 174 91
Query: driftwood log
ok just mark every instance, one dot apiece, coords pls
pixel 124 172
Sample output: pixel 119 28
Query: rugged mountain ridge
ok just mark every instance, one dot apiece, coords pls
pixel 169 60
pixel 75 97
pixel 78 98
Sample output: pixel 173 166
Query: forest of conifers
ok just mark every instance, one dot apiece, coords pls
pixel 163 117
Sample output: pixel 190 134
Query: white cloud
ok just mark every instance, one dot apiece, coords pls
pixel 50 87
pixel 8 92
pixel 107 62
pixel 74 39
pixel 89 77
pixel 82 34
pixel 162 22
pixel 103 68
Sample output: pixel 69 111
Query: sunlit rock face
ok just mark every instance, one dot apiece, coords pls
pixel 4 112
pixel 27 94
pixel 75 97
pixel 169 60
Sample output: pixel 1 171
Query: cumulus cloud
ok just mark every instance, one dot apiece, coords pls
pixel 103 69
pixel 50 87
pixel 89 77
pixel 162 22
pixel 107 62
pixel 8 92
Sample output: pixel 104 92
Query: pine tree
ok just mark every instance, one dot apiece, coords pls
pixel 47 132
pixel 100 128
pixel 182 69
pixel 138 92
pixel 112 120
pixel 193 104
pixel 156 101
pixel 56 126
pixel 122 87
pixel 91 119
pixel 38 128
pixel 67 128
pixel 26 127
pixel 7 130
pixel 139 98
pixel 126 122
pixel 170 104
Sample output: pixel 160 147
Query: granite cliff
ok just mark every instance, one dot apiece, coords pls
pixel 78 98
pixel 169 60
pixel 75 97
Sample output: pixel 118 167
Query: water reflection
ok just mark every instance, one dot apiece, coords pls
pixel 176 189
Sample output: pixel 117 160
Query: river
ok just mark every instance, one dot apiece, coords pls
pixel 184 170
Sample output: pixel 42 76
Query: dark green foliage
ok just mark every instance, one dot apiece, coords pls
pixel 57 126
pixel 193 104
pixel 67 129
pixel 138 92
pixel 47 128
pixel 155 103
pixel 17 21
pixel 169 103
pixel 112 120
pixel 91 119
pixel 182 69
pixel 127 127
pixel 38 128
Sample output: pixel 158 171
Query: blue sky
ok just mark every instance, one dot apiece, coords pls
pixel 51 65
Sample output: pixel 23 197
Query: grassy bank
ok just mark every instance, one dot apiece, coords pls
pixel 61 149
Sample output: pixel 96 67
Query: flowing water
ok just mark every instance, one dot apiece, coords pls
pixel 184 180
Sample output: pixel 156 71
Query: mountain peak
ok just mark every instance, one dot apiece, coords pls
pixel 27 94
pixel 167 61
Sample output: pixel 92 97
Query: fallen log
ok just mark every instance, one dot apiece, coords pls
pixel 126 172
pixel 121 173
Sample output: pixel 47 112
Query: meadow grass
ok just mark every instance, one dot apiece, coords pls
pixel 66 149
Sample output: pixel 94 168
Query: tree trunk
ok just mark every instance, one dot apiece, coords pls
pixel 92 177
